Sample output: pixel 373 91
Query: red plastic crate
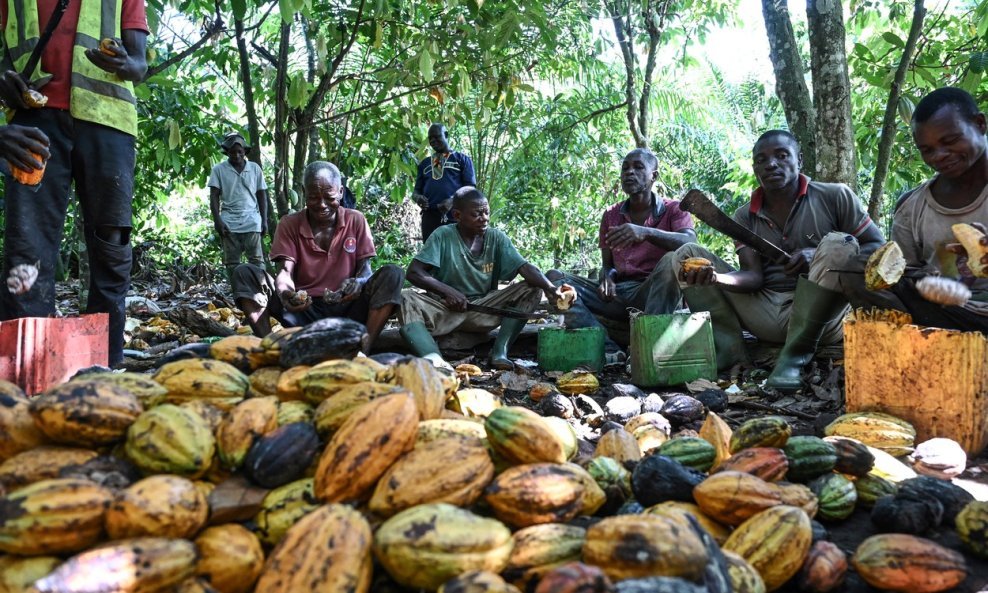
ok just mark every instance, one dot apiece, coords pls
pixel 38 352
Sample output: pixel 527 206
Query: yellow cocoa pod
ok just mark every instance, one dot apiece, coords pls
pixel 288 388
pixel 519 435
pixel 294 411
pixel 429 386
pixel 53 517
pixel 775 542
pixel 327 378
pixel 163 506
pixel 230 557
pixel 333 411
pixel 575 382
pixel 237 350
pixel 680 510
pixel 137 565
pixel 370 440
pixel 539 549
pixel 426 545
pixel 41 463
pixel 87 413
pixel 441 428
pixel 148 391
pixel 18 431
pixel 198 378
pixel 536 493
pixel 458 473
pixel 875 429
pixel 671 551
pixel 342 561
pixel 283 507
pixel 265 380
pixel 620 445
pixel 250 419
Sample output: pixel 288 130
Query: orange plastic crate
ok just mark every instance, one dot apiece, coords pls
pixel 38 352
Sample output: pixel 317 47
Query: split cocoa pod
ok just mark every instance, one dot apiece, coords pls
pixel 567 298
pixel 973 241
pixel 30 176
pixel 691 264
pixel 109 46
pixel 885 267
pixel 34 99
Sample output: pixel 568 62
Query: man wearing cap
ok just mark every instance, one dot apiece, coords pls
pixel 238 202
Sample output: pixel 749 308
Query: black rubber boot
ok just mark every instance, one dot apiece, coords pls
pixel 812 309
pixel 728 341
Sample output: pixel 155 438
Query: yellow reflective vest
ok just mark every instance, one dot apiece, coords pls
pixel 96 95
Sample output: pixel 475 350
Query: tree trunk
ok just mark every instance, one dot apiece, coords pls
pixel 253 127
pixel 875 203
pixel 790 79
pixel 281 180
pixel 625 37
pixel 836 159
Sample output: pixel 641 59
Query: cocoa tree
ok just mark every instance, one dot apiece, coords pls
pixel 825 128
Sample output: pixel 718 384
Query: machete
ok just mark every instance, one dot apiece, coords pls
pixel 35 57
pixel 697 203
pixel 504 312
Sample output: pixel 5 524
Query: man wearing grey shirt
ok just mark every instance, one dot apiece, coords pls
pixel 238 202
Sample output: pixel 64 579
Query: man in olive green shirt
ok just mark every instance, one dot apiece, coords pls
pixel 462 264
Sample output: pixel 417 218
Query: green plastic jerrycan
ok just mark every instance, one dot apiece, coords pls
pixel 672 349
pixel 565 349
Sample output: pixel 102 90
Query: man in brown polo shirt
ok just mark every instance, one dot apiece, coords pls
pixel 799 303
pixel 325 250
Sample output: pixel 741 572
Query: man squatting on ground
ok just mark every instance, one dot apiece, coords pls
pixel 324 250
pixel 949 132
pixel 799 303
pixel 635 237
pixel 462 264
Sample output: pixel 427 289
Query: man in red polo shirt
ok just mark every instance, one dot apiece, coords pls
pixel 799 303
pixel 325 251
pixel 635 236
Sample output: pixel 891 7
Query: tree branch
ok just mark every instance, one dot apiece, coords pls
pixel 326 82
pixel 625 37
pixel 875 202
pixel 213 29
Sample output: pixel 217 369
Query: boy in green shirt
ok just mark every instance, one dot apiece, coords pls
pixel 461 264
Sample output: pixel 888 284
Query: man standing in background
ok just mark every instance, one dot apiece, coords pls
pixel 239 204
pixel 439 176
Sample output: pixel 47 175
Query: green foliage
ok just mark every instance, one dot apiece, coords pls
pixel 527 88
pixel 950 52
